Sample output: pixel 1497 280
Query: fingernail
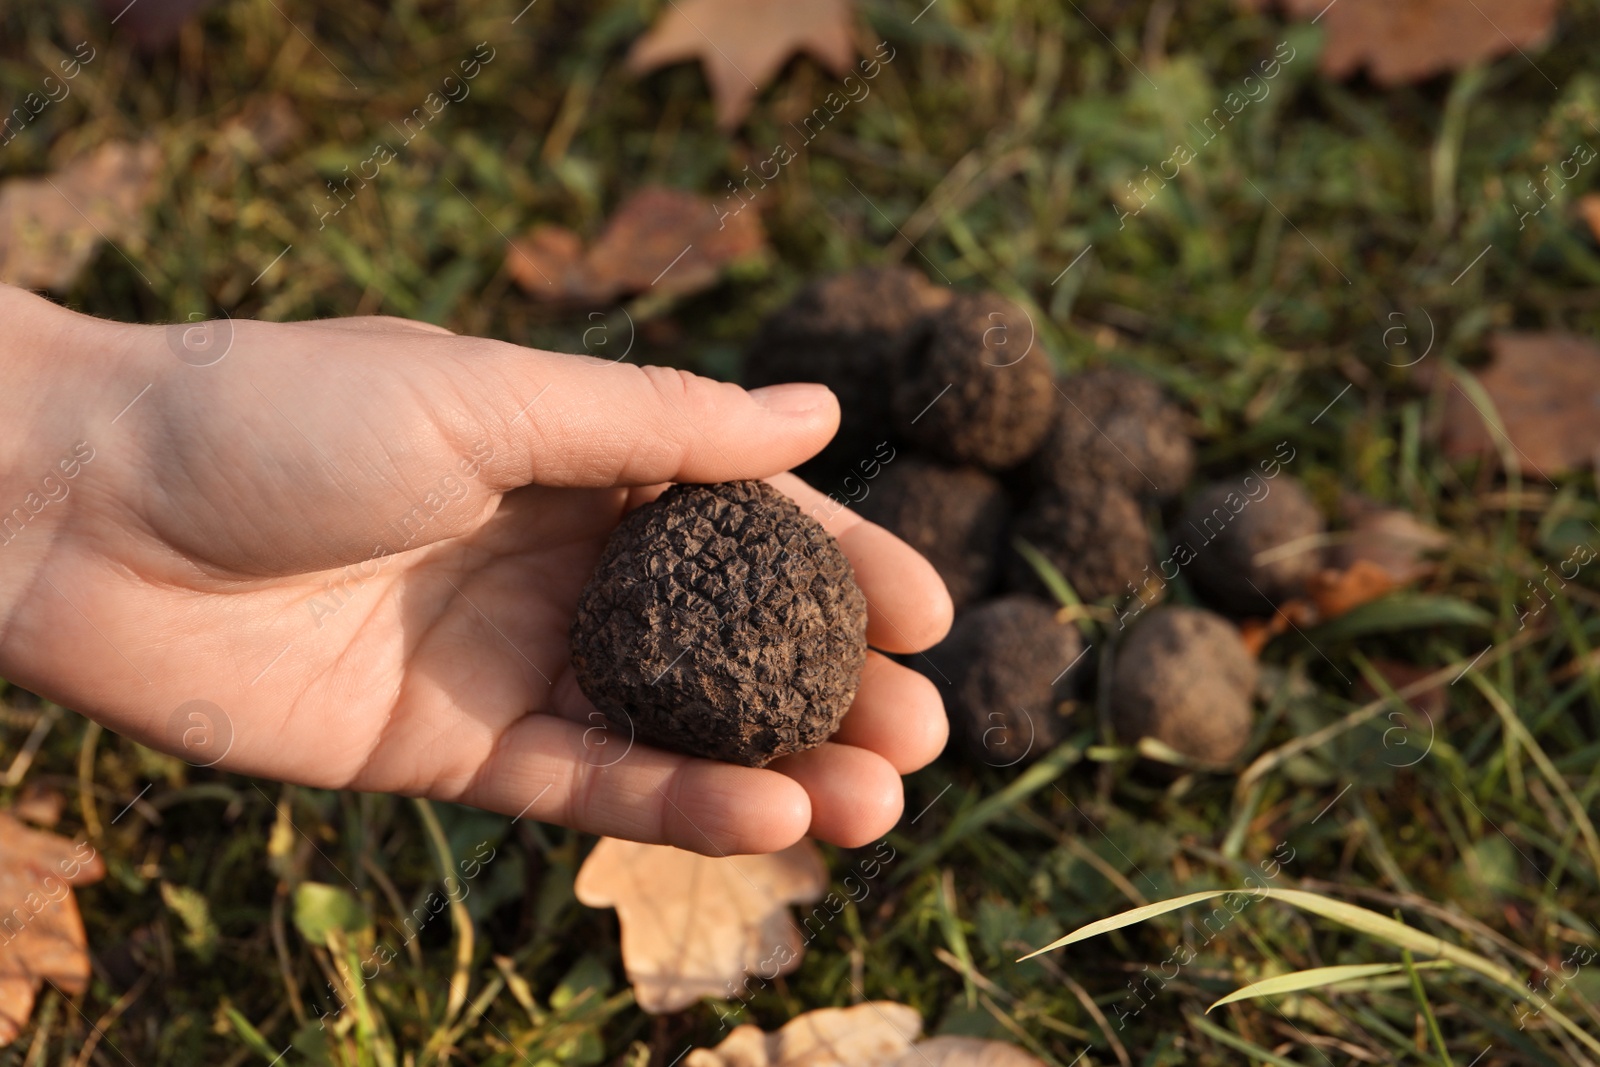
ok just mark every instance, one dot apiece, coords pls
pixel 792 398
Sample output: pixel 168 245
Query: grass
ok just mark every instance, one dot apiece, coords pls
pixel 1330 234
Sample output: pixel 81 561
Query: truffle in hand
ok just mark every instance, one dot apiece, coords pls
pixel 722 622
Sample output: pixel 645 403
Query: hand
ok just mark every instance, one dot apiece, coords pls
pixel 362 541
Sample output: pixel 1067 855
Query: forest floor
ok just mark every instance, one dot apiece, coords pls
pixel 1308 276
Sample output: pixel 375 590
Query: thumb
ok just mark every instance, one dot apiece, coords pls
pixel 575 421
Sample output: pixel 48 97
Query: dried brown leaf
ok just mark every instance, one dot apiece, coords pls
pixel 1258 633
pixel 51 227
pixel 863 1035
pixel 743 44
pixel 878 1033
pixel 659 240
pixel 695 926
pixel 965 1052
pixel 39 804
pixel 1401 41
pixel 1335 592
pixel 1545 388
pixel 41 931
pixel 1589 211
pixel 1395 540
pixel 548 262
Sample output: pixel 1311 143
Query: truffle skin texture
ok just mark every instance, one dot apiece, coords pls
pixel 998 672
pixel 722 622
pixel 1094 534
pixel 1185 678
pixel 954 516
pixel 975 385
pixel 845 332
pixel 1229 523
pixel 1115 427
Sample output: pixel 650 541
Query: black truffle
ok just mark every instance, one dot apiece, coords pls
pixel 954 516
pixel 975 385
pixel 722 622
pixel 844 332
pixel 1230 524
pixel 1003 671
pixel 1185 678
pixel 1115 427
pixel 1093 533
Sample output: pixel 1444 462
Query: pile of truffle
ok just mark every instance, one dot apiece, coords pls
pixel 958 435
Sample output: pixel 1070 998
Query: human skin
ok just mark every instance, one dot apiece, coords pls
pixel 223 545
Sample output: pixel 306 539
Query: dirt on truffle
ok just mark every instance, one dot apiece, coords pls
pixel 1002 671
pixel 955 516
pixel 1093 533
pixel 845 332
pixel 975 385
pixel 1116 428
pixel 1185 678
pixel 722 622
pixel 1229 524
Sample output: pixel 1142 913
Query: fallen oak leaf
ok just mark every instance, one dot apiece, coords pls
pixel 39 804
pixel 660 240
pixel 743 44
pixel 1545 391
pixel 697 926
pixel 50 227
pixel 44 939
pixel 1401 41
pixel 1589 211
pixel 1334 592
pixel 875 1032
pixel 1393 539
pixel 966 1052
pixel 878 1033
pixel 1257 633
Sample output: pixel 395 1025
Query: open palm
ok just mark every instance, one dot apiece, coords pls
pixel 347 554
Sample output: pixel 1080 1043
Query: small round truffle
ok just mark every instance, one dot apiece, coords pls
pixel 1115 427
pixel 1002 671
pixel 975 385
pixel 1094 534
pixel 1185 678
pixel 1229 526
pixel 954 516
pixel 722 622
pixel 845 332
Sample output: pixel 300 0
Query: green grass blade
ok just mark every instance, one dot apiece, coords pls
pixel 249 1035
pixel 1239 1044
pixel 1315 978
pixel 1054 581
pixel 1400 612
pixel 1128 918
pixel 1356 918
pixel 1427 1010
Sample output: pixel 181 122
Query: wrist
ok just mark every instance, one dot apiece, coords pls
pixel 51 389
